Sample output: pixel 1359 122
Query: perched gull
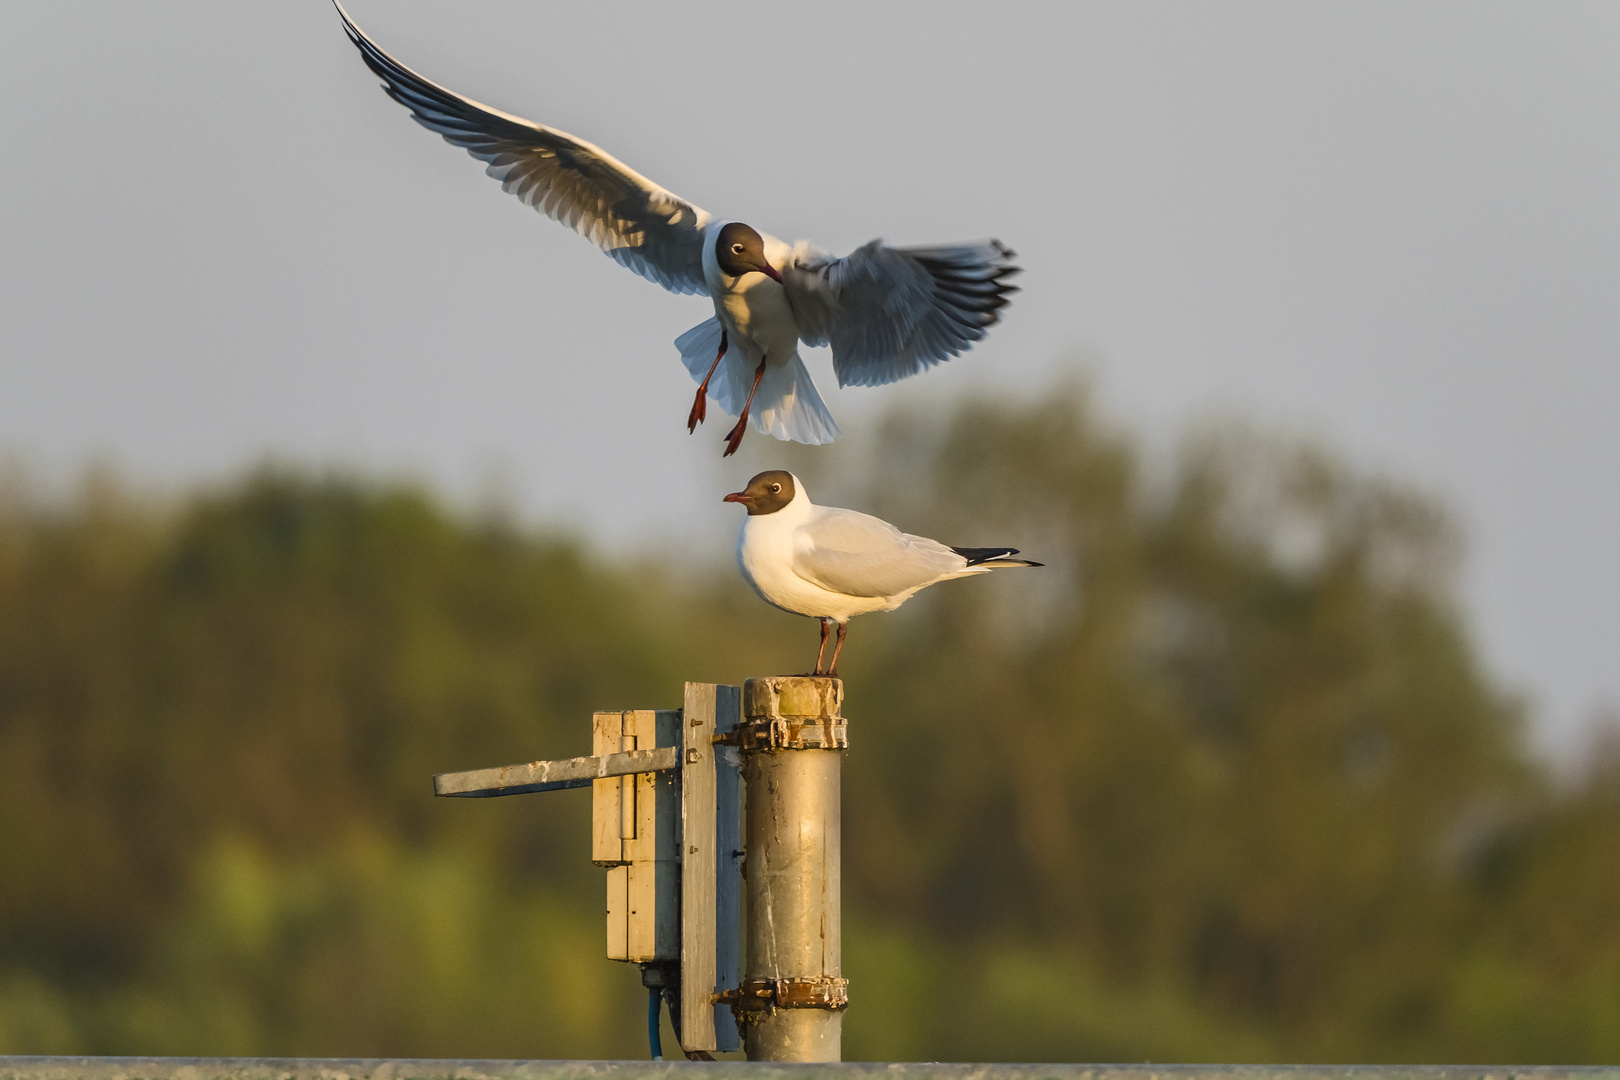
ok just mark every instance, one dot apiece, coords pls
pixel 887 312
pixel 832 564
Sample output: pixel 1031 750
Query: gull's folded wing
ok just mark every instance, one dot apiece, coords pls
pixel 892 312
pixel 859 555
pixel 636 222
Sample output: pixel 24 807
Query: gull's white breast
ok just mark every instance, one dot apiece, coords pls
pixel 753 308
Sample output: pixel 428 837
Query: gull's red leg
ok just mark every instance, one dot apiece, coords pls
pixel 699 407
pixel 823 647
pixel 735 436
pixel 843 628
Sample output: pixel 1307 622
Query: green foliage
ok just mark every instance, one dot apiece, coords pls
pixel 1223 781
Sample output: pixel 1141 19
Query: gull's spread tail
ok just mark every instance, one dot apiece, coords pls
pixel 788 405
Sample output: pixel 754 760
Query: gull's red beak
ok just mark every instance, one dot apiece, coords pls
pixel 770 271
pixel 739 496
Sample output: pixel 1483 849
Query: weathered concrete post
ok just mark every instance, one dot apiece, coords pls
pixel 792 997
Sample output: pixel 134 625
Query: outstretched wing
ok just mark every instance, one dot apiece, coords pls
pixel 636 222
pixel 860 555
pixel 892 312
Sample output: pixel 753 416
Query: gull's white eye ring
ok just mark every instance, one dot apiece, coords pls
pixel 776 489
pixel 736 249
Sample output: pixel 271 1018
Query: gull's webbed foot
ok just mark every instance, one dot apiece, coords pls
pixel 734 437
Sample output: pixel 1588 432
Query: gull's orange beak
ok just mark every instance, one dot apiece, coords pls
pixel 739 496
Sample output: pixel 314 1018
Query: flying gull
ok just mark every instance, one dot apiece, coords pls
pixel 833 564
pixel 887 312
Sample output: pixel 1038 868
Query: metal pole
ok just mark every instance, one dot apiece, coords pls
pixel 792 998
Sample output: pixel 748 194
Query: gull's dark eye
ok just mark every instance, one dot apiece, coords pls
pixel 736 249
pixel 776 489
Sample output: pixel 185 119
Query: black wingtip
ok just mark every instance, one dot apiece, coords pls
pixel 975 556
pixel 348 24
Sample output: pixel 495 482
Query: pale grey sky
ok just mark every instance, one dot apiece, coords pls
pixel 1393 225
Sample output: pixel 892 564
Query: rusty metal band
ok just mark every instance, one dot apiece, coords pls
pixel 827 733
pixel 760 995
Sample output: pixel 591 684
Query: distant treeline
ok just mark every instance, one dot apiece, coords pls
pixel 1225 781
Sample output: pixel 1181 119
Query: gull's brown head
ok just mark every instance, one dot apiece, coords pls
pixel 740 250
pixel 766 493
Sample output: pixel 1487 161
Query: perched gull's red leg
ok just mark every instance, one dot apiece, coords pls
pixel 734 438
pixel 825 626
pixel 695 417
pixel 843 628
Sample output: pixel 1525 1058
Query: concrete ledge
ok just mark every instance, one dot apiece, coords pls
pixel 178 1068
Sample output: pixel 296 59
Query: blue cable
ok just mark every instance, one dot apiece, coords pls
pixel 654 1043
